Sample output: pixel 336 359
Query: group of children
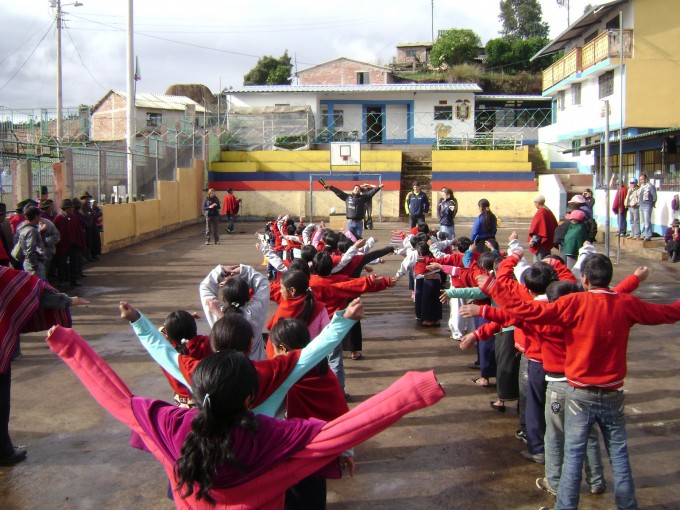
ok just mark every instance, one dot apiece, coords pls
pixel 572 330
pixel 228 384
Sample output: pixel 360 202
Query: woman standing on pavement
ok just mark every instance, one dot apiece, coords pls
pixel 485 226
pixel 447 210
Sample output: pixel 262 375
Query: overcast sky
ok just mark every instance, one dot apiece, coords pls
pixel 214 42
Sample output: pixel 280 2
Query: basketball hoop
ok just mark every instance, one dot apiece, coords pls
pixel 345 158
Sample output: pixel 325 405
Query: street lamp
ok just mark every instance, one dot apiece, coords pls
pixel 58 17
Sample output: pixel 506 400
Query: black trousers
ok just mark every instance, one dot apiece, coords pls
pixel 307 494
pixel 6 446
pixel 507 366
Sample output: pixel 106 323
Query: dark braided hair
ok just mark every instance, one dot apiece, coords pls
pixel 299 281
pixel 223 384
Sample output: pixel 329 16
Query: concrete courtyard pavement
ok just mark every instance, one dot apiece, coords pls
pixel 457 454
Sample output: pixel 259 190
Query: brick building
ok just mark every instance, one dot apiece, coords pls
pixel 346 71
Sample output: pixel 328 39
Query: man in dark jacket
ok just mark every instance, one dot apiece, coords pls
pixel 355 204
pixel 417 205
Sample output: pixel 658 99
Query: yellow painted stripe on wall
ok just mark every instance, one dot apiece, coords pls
pixel 481 167
pixel 235 166
pixel 518 156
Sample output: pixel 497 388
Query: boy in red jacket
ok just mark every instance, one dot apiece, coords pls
pixel 596 325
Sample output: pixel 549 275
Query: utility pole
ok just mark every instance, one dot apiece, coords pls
pixel 432 19
pixel 60 127
pixel 130 135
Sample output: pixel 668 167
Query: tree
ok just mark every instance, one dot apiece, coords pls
pixel 270 71
pixel 522 19
pixel 455 46
pixel 513 55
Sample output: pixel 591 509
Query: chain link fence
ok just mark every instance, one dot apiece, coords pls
pixel 168 140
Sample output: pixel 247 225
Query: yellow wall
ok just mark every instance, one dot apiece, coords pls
pixel 497 161
pixel 178 203
pixel 303 161
pixel 269 204
pixel 653 74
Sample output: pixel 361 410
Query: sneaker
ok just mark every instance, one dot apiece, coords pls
pixel 217 242
pixel 598 489
pixel 521 435
pixel 543 484
pixel 545 508
pixel 207 243
pixel 538 458
pixel 456 336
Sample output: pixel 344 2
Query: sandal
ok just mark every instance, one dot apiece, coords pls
pixel 478 382
pixel 498 407
pixel 357 356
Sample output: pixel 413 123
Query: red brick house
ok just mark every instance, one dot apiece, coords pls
pixel 346 71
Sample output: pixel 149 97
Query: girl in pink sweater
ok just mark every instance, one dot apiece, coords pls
pixel 252 460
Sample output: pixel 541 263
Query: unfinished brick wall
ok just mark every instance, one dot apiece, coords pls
pixel 344 72
pixel 403 57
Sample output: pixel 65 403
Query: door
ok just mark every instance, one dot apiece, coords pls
pixel 374 124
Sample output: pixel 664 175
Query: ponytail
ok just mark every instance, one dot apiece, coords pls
pixel 235 295
pixel 223 382
pixel 299 281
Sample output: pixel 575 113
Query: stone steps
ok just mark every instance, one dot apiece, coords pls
pixel 653 250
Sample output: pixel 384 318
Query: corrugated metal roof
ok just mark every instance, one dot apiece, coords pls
pixel 409 44
pixel 395 87
pixel 162 102
pixel 585 23
pixel 500 97
pixel 649 134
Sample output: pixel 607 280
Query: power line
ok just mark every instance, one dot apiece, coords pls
pixel 27 58
pixel 33 34
pixel 81 60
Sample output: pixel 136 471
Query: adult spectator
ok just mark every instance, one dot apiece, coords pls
pixel 31 243
pixel 672 238
pixel 18 217
pixel 647 203
pixel 417 205
pixel 484 227
pixel 542 230
pixel 447 208
pixel 6 237
pixel 27 304
pixel 579 202
pixel 211 210
pixel 355 205
pixel 71 245
pixel 88 215
pixel 590 199
pixel 44 195
pixel 50 235
pixel 619 206
pixel 230 209
pixel 633 206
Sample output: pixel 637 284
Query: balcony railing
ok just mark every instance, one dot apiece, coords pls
pixel 604 46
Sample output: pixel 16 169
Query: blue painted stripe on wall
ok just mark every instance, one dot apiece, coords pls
pixel 563 164
pixel 483 176
pixel 296 176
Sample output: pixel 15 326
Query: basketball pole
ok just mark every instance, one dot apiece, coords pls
pixel 243 228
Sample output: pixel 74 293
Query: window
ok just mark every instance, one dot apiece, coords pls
pixel 363 78
pixel 576 146
pixel 154 119
pixel 576 94
pixel 443 113
pixel 411 53
pixel 560 100
pixel 338 120
pixel 606 83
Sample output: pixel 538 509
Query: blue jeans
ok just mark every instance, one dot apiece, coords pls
pixel 356 227
pixel 584 408
pixel 555 400
pixel 449 230
pixel 623 225
pixel 634 221
pixel 646 219
pixel 337 365
pixel 523 385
